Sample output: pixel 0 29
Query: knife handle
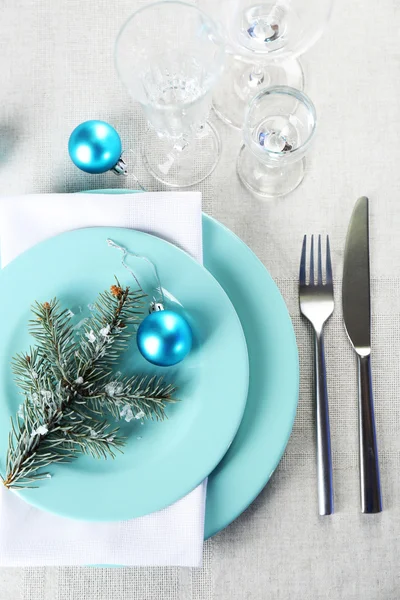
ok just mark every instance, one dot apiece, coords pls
pixel 371 500
pixel 324 460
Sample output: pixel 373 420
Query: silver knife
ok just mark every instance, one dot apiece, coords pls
pixel 357 318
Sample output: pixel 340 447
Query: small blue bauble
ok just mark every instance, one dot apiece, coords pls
pixel 164 338
pixel 95 147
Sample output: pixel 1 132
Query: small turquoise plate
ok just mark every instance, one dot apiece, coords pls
pixel 274 375
pixel 162 461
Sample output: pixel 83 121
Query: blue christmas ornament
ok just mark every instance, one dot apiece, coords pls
pixel 95 147
pixel 164 338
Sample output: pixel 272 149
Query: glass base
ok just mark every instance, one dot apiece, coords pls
pixel 266 181
pixel 181 165
pixel 241 81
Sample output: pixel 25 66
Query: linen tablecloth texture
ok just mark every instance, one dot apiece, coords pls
pixel 57 70
pixel 31 537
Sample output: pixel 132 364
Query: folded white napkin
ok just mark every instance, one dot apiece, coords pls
pixel 31 537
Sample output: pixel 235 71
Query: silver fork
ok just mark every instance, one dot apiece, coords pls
pixel 316 304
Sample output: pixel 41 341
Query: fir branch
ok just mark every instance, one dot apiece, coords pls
pixel 30 370
pixel 107 333
pixel 68 386
pixel 52 330
pixel 54 429
pixel 147 397
pixel 94 438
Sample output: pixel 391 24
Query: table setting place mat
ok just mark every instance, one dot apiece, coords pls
pixel 172 536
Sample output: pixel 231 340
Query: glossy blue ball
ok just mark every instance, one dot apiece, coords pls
pixel 164 338
pixel 95 147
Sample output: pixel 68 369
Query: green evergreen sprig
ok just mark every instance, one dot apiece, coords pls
pixel 69 386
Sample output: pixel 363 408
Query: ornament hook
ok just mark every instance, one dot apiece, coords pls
pixel 155 306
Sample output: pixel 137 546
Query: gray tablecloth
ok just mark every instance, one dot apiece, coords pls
pixel 56 70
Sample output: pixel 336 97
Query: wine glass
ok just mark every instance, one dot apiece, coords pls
pixel 264 39
pixel 279 127
pixel 169 55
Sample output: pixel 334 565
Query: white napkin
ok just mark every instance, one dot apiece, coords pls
pixel 31 537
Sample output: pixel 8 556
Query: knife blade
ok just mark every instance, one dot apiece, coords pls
pixel 356 280
pixel 356 301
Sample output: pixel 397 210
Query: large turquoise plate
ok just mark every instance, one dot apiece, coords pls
pixel 274 375
pixel 162 461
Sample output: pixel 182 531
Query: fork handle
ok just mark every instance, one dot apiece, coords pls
pixel 324 460
pixel 371 501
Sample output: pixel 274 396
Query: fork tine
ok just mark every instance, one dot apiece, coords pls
pixel 328 262
pixel 312 261
pixel 302 274
pixel 319 261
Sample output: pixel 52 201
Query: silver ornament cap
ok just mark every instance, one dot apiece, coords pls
pixel 156 307
pixel 120 168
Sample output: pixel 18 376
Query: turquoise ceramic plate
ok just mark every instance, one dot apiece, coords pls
pixel 162 461
pixel 274 375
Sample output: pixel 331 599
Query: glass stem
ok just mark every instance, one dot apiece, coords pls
pixel 256 76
